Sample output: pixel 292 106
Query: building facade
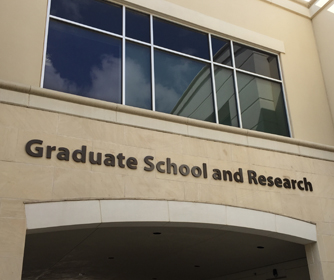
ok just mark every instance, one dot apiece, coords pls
pixel 207 124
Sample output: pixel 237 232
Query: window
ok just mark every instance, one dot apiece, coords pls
pixel 101 50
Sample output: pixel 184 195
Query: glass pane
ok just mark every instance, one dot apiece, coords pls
pixel 97 14
pixel 256 61
pixel 138 25
pixel 226 99
pixel 221 50
pixel 138 76
pixel 83 62
pixel 179 38
pixel 262 105
pixel 183 86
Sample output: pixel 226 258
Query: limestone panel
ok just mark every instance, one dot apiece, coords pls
pixel 70 183
pixel 148 188
pixel 239 154
pixel 22 31
pixel 311 208
pixel 25 181
pixel 221 194
pixel 245 198
pixel 28 119
pixel 15 97
pixel 272 145
pixel 217 135
pixel 195 147
pixel 325 228
pixel 8 139
pixel 261 157
pixel 11 267
pixel 10 208
pixel 191 191
pixel 328 210
pixel 12 236
pixel 276 203
pixel 262 200
pixel 291 205
pixel 329 247
pixel 107 185
pixel 151 123
pixel 217 150
pixel 137 137
pixel 322 167
pixel 328 270
pixel 90 129
pixel 72 108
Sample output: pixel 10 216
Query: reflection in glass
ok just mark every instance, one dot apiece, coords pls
pixel 262 105
pixel 83 62
pixel 137 25
pixel 84 11
pixel 183 86
pixel 221 51
pixel 179 38
pixel 256 61
pixel 226 99
pixel 138 76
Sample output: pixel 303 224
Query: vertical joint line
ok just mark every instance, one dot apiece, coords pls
pixel 213 79
pixel 236 85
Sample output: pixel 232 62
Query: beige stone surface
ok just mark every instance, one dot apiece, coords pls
pixel 28 119
pixel 12 208
pixel 141 121
pixel 217 135
pixel 8 139
pixel 325 228
pixel 10 267
pixel 328 210
pixel 14 97
pixel 22 31
pixel 328 270
pixel 25 181
pixel 220 194
pixel 322 24
pixel 217 150
pixel 71 184
pixel 291 205
pixel 144 138
pixel 276 203
pixel 191 191
pixel 239 154
pixel 148 188
pixel 56 105
pixel 329 247
pixel 245 198
pixel 79 127
pixel 107 185
pixel 311 208
pixel 12 237
pixel 322 167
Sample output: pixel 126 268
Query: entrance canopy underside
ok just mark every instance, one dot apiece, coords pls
pixel 160 240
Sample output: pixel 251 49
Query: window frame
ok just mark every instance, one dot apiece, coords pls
pixel 153 47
